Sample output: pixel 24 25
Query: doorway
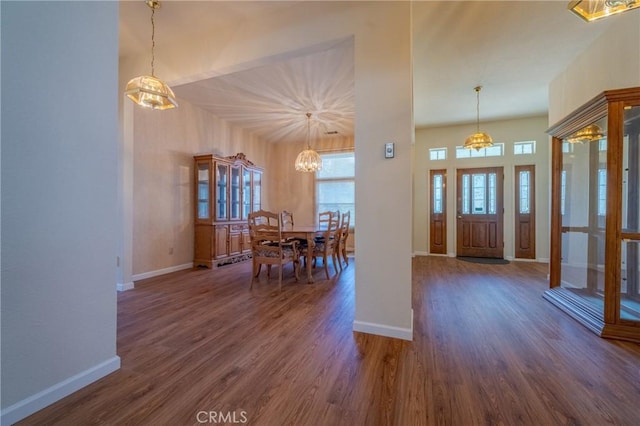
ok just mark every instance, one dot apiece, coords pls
pixel 479 218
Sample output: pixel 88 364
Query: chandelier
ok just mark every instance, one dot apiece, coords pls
pixel 308 160
pixel 479 139
pixel 147 90
pixel 590 10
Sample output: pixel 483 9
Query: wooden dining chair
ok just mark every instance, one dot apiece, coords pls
pixel 343 234
pixel 326 245
pixel 267 246
pixel 287 220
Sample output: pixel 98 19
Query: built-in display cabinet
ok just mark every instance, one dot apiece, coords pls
pixel 595 215
pixel 227 189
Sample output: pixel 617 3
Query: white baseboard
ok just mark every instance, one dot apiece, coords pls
pixel 420 253
pixel 125 286
pixel 40 400
pixel 385 330
pixel 163 271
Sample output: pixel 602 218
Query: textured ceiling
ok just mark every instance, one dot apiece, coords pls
pixel 511 48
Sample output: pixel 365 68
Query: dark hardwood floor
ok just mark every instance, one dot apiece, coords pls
pixel 199 347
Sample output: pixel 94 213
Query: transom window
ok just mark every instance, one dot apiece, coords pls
pixel 524 148
pixel 437 154
pixel 496 150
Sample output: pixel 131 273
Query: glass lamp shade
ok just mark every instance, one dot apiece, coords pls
pixel 590 10
pixel 150 92
pixel 592 132
pixel 308 161
pixel 478 140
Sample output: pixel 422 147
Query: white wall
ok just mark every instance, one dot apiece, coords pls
pixel 59 141
pixel 611 62
pixel 381 32
pixel 505 131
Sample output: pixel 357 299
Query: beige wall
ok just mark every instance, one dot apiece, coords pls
pixel 164 145
pixel 295 191
pixel 507 132
pixel 610 62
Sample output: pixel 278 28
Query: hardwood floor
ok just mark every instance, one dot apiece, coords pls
pixel 198 347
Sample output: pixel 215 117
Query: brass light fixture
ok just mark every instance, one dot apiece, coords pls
pixel 308 160
pixel 590 10
pixel 591 133
pixel 479 139
pixel 147 90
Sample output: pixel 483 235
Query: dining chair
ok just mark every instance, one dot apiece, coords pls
pixel 326 245
pixel 287 219
pixel 267 246
pixel 342 238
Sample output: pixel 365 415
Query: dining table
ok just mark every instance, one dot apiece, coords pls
pixel 305 232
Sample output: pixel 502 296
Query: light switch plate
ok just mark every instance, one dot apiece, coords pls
pixel 389 150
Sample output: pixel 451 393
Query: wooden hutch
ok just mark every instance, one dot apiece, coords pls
pixel 226 190
pixel 595 215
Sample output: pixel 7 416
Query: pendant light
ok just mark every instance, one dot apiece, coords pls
pixel 479 139
pixel 308 160
pixel 148 90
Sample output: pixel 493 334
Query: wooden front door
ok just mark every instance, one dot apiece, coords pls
pixel 479 218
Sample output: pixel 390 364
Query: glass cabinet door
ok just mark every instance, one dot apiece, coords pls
pixel 629 302
pixel 257 191
pixel 583 212
pixel 234 193
pixel 222 185
pixel 246 193
pixel 203 209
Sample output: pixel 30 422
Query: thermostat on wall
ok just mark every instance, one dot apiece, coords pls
pixel 388 150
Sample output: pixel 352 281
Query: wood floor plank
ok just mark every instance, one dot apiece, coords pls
pixel 487 349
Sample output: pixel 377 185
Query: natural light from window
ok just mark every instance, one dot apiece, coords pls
pixel 335 183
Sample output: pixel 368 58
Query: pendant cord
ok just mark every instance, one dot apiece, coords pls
pixel 309 130
pixel 477 109
pixel 153 41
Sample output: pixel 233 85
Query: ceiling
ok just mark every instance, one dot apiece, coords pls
pixel 511 48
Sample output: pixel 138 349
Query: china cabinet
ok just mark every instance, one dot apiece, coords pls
pixel 595 215
pixel 227 189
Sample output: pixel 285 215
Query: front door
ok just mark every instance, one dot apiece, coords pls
pixel 479 219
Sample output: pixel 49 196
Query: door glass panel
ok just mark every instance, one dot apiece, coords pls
pixel 437 193
pixel 630 281
pixel 221 201
pixel 203 190
pixel 246 193
pixel 235 193
pixel 479 193
pixel 492 193
pixel 257 182
pixel 466 194
pixel 524 192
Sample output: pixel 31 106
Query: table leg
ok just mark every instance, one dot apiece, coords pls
pixel 311 244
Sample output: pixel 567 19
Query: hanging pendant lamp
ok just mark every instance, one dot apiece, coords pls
pixel 479 139
pixel 308 160
pixel 148 90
